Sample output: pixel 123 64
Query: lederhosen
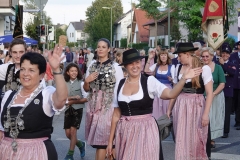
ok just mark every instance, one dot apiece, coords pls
pixel 37 124
pixel 188 89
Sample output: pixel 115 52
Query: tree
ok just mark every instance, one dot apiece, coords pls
pixel 152 9
pixel 189 13
pixel 123 42
pixel 59 32
pixel 98 19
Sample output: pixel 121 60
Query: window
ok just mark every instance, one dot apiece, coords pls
pixel 82 34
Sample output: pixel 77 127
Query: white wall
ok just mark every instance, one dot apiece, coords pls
pixel 71 33
pixel 135 35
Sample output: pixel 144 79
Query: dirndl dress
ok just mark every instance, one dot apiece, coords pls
pixel 190 136
pixel 160 106
pixel 217 116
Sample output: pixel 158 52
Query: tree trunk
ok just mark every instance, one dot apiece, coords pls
pixel 156 34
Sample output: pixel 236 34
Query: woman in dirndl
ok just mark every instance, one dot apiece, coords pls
pixel 164 73
pixel 101 77
pixel 191 110
pixel 136 131
pixel 217 112
pixel 27 114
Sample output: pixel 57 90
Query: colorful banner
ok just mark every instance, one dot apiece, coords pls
pixel 213 22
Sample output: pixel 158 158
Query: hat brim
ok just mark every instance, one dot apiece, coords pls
pixel 132 60
pixel 193 49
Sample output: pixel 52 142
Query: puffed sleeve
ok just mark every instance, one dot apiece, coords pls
pixel 48 105
pixel 5 97
pixel 115 101
pixel 172 71
pixel 84 94
pixel 153 67
pixel 119 72
pixel 175 79
pixel 155 88
pixel 206 74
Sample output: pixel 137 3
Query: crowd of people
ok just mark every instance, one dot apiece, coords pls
pixel 124 92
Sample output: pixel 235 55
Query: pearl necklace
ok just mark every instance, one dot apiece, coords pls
pixel 23 96
pixel 132 82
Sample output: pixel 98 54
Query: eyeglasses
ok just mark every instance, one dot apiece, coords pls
pixel 205 56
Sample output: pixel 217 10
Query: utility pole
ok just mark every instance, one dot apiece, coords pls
pixel 169 23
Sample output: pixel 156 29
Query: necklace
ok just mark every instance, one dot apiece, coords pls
pixel 132 82
pixel 23 96
pixel 14 124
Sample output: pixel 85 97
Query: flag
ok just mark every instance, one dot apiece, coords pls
pixel 215 22
pixel 18 31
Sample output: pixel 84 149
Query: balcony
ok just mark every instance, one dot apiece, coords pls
pixel 7 7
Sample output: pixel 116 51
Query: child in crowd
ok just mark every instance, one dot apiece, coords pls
pixel 75 104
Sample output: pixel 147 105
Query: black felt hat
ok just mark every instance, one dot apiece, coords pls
pixel 185 47
pixel 130 56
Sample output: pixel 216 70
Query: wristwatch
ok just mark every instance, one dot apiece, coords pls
pixel 56 73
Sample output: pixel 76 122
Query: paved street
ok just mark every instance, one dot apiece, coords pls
pixel 226 149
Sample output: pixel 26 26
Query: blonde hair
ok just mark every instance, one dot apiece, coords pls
pixel 208 49
pixel 142 52
pixel 196 62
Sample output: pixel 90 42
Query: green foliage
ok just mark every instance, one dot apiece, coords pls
pixel 188 11
pixel 138 45
pixel 175 33
pixel 99 19
pixel 231 41
pixel 123 42
pixel 59 32
pixel 72 44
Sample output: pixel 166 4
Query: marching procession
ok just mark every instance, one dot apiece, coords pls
pixel 123 103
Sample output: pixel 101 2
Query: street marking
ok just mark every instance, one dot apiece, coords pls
pixel 169 141
pixel 224 156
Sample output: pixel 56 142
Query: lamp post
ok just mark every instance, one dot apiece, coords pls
pixel 111 22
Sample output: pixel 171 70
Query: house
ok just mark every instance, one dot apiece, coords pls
pixel 162 30
pixel 62 26
pixel 140 33
pixel 75 32
pixel 121 28
pixel 7 16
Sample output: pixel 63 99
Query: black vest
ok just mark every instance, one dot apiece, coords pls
pixel 189 85
pixel 138 107
pixel 37 124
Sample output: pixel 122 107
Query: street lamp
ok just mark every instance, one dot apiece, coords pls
pixel 111 21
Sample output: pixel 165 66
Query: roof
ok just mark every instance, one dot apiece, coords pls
pixel 78 25
pixel 123 16
pixel 141 19
pixel 151 22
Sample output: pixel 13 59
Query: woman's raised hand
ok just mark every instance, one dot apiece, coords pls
pixel 191 73
pixel 54 58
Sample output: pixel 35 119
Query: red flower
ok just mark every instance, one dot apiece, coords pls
pixel 214 35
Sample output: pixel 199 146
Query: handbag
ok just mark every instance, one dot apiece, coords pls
pixel 165 126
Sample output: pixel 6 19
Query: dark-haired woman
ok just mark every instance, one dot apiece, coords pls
pixel 75 103
pixel 100 80
pixel 191 110
pixel 27 114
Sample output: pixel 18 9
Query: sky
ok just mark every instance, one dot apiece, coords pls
pixel 66 11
